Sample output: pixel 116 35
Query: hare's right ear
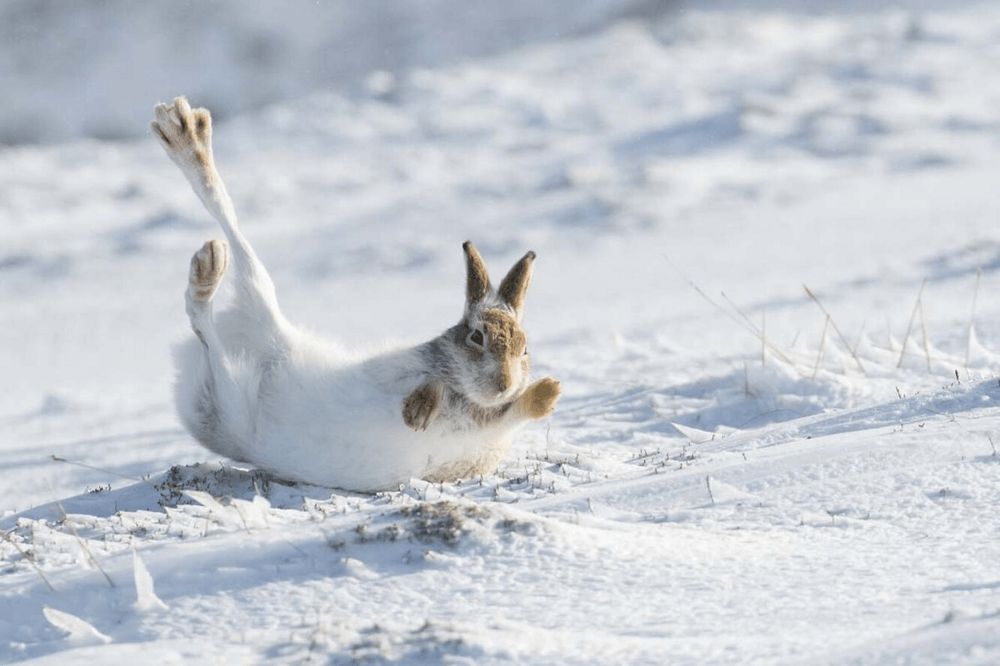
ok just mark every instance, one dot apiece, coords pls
pixel 477 281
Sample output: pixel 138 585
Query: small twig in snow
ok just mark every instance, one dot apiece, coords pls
pixel 909 327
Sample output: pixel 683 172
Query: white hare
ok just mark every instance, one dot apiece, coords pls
pixel 255 388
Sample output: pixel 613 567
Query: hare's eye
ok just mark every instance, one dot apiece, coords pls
pixel 476 338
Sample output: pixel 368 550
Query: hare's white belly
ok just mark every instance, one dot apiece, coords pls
pixel 348 432
pixel 321 416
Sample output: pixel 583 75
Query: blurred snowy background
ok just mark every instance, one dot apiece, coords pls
pixel 89 67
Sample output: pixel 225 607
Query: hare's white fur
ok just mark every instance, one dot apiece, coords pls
pixel 253 387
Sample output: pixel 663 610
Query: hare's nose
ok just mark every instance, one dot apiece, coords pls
pixel 504 379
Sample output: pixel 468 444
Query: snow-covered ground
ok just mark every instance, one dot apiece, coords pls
pixel 741 470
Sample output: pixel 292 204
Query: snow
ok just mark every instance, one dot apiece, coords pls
pixel 739 471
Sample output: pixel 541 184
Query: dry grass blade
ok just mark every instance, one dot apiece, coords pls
pixel 27 558
pixel 81 543
pixel 836 329
pixel 822 345
pixel 758 332
pixel 909 327
pixel 56 458
pixel 742 320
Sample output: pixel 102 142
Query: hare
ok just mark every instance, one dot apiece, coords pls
pixel 253 387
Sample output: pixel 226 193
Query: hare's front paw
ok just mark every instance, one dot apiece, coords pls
pixel 185 133
pixel 421 407
pixel 207 267
pixel 540 398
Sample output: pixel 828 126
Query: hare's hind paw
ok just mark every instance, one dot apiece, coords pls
pixel 539 400
pixel 207 268
pixel 421 407
pixel 185 133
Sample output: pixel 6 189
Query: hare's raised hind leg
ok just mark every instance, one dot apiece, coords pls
pixel 212 405
pixel 186 136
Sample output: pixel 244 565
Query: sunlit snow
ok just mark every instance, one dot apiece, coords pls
pixel 767 279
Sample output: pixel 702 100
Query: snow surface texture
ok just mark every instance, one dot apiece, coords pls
pixel 739 471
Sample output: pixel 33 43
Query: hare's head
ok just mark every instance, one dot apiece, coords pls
pixel 494 348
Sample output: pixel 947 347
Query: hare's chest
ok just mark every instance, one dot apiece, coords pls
pixel 459 414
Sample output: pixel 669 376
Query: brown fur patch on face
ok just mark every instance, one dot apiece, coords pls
pixel 505 337
pixel 506 342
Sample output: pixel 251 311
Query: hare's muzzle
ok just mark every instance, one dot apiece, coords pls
pixel 504 378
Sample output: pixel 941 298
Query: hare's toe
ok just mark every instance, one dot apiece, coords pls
pixel 185 133
pixel 421 407
pixel 207 268
pixel 539 400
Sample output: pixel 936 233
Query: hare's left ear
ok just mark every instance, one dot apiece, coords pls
pixel 514 286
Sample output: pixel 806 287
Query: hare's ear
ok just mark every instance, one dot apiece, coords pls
pixel 477 281
pixel 514 286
